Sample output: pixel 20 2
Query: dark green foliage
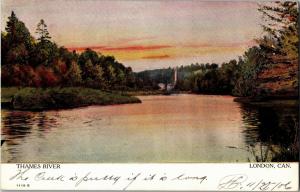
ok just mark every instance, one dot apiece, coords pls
pixel 149 79
pixel 16 42
pixel 199 78
pixel 54 98
pixel 212 79
pixel 17 33
pixel 73 75
pixel 248 68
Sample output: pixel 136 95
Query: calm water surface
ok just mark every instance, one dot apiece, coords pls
pixel 176 128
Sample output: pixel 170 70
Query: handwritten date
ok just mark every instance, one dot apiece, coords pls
pixel 241 182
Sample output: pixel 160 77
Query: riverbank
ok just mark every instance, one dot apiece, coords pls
pixel 36 99
pixel 268 101
pixel 149 92
pixel 142 93
pixel 155 92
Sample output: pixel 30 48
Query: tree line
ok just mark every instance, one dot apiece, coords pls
pixel 240 77
pixel 236 77
pixel 39 62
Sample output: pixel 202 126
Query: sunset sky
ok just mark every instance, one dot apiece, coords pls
pixel 146 34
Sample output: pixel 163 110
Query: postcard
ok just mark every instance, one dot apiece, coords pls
pixel 149 95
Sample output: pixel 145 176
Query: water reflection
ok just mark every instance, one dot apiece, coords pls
pixel 271 132
pixel 177 128
pixel 18 125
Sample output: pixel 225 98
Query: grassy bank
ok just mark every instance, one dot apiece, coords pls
pixel 56 98
pixel 7 93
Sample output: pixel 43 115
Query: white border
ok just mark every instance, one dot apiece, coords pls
pixel 175 176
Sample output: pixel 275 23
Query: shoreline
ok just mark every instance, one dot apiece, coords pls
pixel 268 101
pixel 56 98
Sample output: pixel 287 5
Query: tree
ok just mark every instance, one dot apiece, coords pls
pixel 11 24
pixel 46 52
pixel 73 76
pixel 87 69
pixel 88 54
pixel 130 78
pixel 120 77
pixel 4 48
pixel 99 81
pixel 42 32
pixel 225 76
pixel 248 68
pixel 280 25
pixel 48 77
pixel 93 75
pixel 112 76
pixel 17 32
pixel 17 55
pixel 17 42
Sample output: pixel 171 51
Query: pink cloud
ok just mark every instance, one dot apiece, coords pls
pixel 133 39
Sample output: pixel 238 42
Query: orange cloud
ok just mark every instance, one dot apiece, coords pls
pixel 167 51
pixel 137 48
pixel 124 48
pixel 156 57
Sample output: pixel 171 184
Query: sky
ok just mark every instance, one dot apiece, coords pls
pixel 146 34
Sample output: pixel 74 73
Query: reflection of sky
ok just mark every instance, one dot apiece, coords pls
pixel 176 128
pixel 146 34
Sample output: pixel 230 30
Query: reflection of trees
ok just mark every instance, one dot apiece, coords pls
pixel 251 122
pixel 270 124
pixel 16 124
pixel 45 123
pixel 271 130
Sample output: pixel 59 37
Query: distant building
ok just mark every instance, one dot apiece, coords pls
pixel 170 86
pixel 162 86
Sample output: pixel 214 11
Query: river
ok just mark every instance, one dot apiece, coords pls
pixel 175 128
